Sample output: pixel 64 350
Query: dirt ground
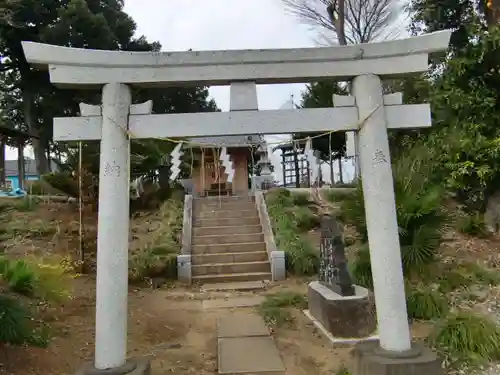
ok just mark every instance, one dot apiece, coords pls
pixel 170 326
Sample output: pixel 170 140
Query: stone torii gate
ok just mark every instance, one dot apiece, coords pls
pixel 368 113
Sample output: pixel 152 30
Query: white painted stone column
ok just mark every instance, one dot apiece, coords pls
pixel 113 229
pixel 381 220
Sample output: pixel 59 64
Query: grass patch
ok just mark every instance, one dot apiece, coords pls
pixel 300 198
pixel 465 337
pixel 275 309
pixel 457 276
pixel 336 196
pixel 343 370
pixel 158 258
pixel 290 222
pixel 426 303
pixel 472 224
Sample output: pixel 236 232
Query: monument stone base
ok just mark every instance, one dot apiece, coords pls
pixel 343 316
pixel 140 366
pixel 370 359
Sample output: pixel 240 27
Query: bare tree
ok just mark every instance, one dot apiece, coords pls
pixel 350 21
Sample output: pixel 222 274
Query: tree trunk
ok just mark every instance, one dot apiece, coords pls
pixel 20 165
pixel 48 159
pixel 2 161
pixel 341 176
pixel 42 164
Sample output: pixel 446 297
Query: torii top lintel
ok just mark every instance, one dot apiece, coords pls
pixel 70 67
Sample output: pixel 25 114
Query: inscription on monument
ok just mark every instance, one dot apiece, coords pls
pixel 112 170
pixel 333 271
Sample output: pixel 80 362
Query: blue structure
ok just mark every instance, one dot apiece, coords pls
pixel 30 174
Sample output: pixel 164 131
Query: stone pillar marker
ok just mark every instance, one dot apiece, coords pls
pixel 380 212
pixel 113 230
pixel 344 310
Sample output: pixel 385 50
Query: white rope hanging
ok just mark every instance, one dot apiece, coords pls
pixel 227 164
pixel 175 167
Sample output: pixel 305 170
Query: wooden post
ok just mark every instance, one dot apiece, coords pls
pixel 20 164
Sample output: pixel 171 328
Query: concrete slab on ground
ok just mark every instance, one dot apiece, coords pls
pixel 237 286
pixel 249 355
pixel 241 324
pixel 232 302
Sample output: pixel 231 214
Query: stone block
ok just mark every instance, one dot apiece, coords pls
pixel 184 273
pixel 249 355
pixel 241 324
pixel 370 359
pixel 278 267
pixel 140 366
pixel 343 316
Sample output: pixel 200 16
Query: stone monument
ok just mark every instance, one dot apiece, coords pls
pixel 343 309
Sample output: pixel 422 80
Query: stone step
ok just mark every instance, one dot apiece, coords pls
pixel 225 214
pixel 233 277
pixel 242 206
pixel 228 248
pixel 242 286
pixel 245 346
pixel 224 198
pixel 226 222
pixel 227 239
pixel 231 268
pixel 229 230
pixel 232 302
pixel 253 256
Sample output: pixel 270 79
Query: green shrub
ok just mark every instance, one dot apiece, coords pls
pixel 472 224
pixel 63 182
pixel 274 308
pixel 17 325
pixel 305 219
pixel 467 337
pixel 36 188
pixel 336 196
pixel 47 280
pixel 301 255
pixel 426 304
pixel 483 275
pixel 454 279
pixel 158 259
pixel 18 276
pixel 419 210
pixel 26 204
pixel 52 277
pixel 300 199
pixel 361 269
pixel 280 196
pixel 464 275
pixel 14 322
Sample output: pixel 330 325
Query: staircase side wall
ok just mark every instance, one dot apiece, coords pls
pixel 276 257
pixel 184 273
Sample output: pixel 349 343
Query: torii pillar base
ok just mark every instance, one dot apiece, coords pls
pixel 370 359
pixel 140 366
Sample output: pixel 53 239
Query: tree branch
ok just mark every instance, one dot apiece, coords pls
pixel 351 21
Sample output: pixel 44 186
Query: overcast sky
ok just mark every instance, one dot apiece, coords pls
pixel 180 25
pixel 221 25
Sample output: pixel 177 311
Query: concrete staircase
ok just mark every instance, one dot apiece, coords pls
pixel 227 241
